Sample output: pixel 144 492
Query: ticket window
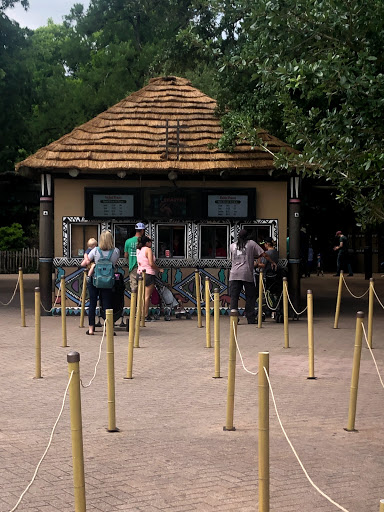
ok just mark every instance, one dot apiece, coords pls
pixel 121 233
pixel 80 234
pixel 257 232
pixel 171 241
pixel 214 242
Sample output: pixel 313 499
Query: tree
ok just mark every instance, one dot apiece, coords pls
pixel 312 72
pixel 12 238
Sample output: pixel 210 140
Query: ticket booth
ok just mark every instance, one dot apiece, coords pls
pixel 152 158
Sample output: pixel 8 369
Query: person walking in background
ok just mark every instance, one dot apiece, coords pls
pixel 319 265
pixel 342 255
pixel 146 261
pixel 130 248
pixel 105 247
pixel 243 255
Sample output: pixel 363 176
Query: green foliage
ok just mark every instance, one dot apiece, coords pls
pixel 12 238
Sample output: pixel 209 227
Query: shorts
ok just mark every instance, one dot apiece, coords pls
pixel 149 279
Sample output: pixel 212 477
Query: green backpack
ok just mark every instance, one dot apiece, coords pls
pixel 104 273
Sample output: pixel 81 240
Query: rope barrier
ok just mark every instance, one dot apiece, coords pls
pixel 13 296
pixel 54 304
pixel 373 357
pixel 298 314
pixel 98 360
pixel 47 448
pixel 355 296
pixel 378 300
pixel 295 453
pixel 267 299
pixel 241 357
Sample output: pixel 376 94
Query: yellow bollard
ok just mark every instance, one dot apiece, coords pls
pixel 216 331
pixel 63 312
pixel 131 334
pixel 260 312
pixel 338 301
pixel 355 372
pixel 142 323
pixel 138 311
pixel 285 312
pixel 370 311
pixel 207 314
pixel 111 373
pixel 73 359
pixel 231 369
pixel 37 334
pixel 198 299
pixel 22 305
pixel 381 506
pixel 83 295
pixel 263 432
pixel 311 343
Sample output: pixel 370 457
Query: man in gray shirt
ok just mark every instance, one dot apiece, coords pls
pixel 243 254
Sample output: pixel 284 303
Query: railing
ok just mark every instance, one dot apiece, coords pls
pixel 11 261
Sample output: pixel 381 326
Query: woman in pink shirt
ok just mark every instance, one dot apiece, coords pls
pixel 146 261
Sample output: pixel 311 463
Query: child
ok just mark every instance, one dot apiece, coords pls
pixel 319 266
pixel 92 243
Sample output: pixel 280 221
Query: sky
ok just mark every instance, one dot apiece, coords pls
pixel 40 10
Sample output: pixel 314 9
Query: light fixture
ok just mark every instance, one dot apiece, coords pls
pixel 74 173
pixel 172 175
pixel 121 174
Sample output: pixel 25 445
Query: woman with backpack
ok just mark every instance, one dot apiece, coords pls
pixel 146 261
pixel 100 285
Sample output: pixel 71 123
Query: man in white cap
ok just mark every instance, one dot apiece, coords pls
pixel 130 247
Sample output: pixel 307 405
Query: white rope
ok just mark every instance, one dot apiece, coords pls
pixel 373 357
pixel 47 448
pixel 301 312
pixel 267 298
pixel 14 293
pixel 54 304
pixel 241 357
pixel 379 301
pixel 295 453
pixel 355 296
pixel 98 360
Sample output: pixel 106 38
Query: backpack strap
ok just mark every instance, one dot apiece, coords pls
pixel 109 254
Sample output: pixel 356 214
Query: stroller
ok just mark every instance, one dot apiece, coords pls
pixel 169 304
pixel 272 298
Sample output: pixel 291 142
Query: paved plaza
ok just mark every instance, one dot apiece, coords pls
pixel 171 453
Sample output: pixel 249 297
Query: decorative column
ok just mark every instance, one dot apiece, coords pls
pixel 46 242
pixel 294 242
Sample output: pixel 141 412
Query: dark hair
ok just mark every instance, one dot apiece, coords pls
pixel 242 239
pixel 142 241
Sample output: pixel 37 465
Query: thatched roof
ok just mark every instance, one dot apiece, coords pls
pixel 131 136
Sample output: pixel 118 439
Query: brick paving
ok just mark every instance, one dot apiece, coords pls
pixel 171 453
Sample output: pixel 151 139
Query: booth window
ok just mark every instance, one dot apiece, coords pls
pixel 80 234
pixel 257 232
pixel 213 242
pixel 121 233
pixel 171 238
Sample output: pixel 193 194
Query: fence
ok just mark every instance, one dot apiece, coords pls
pixel 27 259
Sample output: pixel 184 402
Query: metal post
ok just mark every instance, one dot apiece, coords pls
pixel 138 310
pixel 207 314
pixel 263 432
pixel 370 310
pixel 21 290
pixel 285 312
pixel 83 295
pixel 198 299
pixel 355 372
pixel 37 335
pixel 338 301
pixel 142 322
pixel 131 335
pixel 260 311
pixel 231 369
pixel 311 343
pixel 111 373
pixel 73 359
pixel 216 331
pixel 63 311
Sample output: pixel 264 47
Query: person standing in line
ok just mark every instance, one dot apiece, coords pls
pixel 342 255
pixel 146 261
pixel 243 254
pixel 269 248
pixel 106 245
pixel 130 248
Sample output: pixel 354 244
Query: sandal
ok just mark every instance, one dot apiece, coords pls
pixel 90 333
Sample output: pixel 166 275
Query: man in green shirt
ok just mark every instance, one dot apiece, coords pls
pixel 130 247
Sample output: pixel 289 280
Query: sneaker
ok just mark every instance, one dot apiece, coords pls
pixel 149 319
